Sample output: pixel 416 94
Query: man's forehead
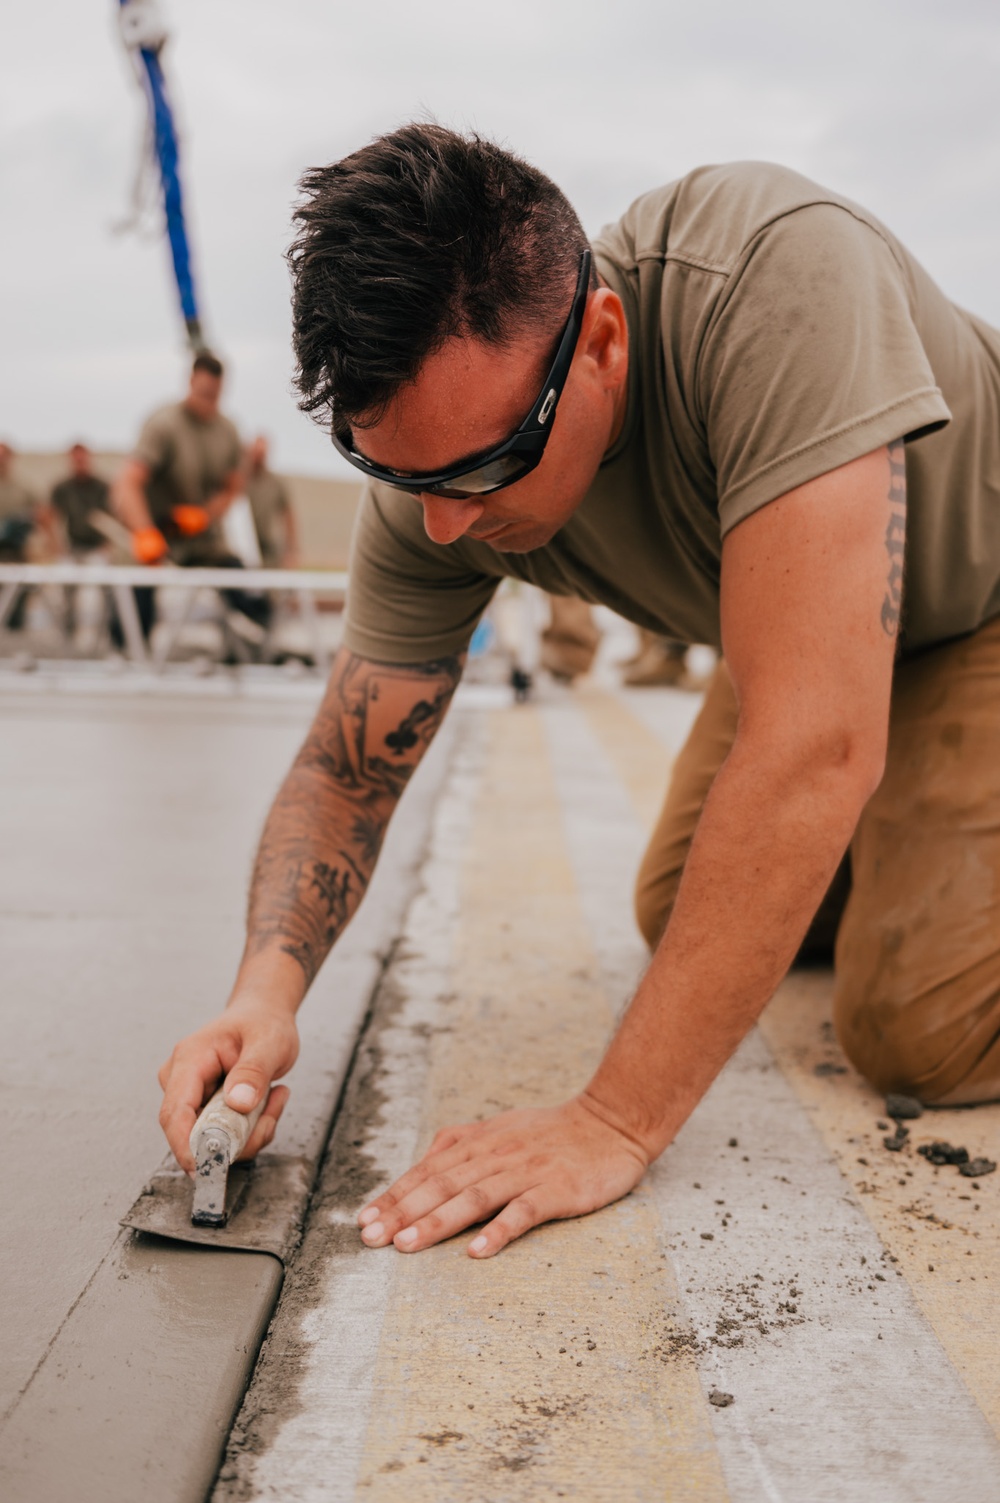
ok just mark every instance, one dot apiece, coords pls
pixel 466 398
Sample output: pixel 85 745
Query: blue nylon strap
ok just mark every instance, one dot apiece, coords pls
pixel 173 200
pixel 165 140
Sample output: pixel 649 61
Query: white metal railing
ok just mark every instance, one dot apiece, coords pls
pixel 121 579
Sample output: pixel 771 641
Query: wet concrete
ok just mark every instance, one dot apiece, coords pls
pixel 128 832
pixel 138 1390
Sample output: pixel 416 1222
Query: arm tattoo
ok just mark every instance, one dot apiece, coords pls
pixel 326 827
pixel 895 538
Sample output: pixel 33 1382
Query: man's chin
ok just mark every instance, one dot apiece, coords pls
pixel 521 539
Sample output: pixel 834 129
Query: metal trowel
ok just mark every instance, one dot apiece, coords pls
pixel 218 1138
pixel 257 1207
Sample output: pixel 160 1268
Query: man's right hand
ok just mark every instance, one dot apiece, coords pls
pixel 149 545
pixel 250 1045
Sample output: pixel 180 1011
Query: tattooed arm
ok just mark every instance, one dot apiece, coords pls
pixel 315 859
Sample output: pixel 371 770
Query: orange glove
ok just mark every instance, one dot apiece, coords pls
pixel 148 545
pixel 190 520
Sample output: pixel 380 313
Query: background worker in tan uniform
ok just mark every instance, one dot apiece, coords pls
pixel 273 514
pixel 184 472
pixel 19 516
pixel 742 426
pixel 73 503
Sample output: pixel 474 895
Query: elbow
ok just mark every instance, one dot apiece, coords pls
pixel 835 768
pixel 849 769
pixel 858 756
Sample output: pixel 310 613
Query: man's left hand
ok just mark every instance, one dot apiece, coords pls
pixel 534 1165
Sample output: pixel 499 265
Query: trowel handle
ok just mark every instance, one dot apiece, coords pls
pixel 237 1126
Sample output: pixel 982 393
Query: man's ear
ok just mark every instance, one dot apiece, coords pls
pixel 604 336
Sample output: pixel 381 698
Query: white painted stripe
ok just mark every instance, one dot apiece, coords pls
pixel 848 1395
pixel 315 1456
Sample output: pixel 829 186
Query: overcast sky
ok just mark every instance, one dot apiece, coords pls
pixel 893 102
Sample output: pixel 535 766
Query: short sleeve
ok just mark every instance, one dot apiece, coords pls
pixel 811 359
pixel 408 600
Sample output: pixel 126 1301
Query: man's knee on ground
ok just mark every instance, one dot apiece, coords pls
pixel 900 1046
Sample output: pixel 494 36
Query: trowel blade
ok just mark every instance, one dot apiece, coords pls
pixel 265 1200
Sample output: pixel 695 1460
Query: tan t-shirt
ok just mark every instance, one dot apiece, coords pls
pixel 189 461
pixel 16 501
pixel 269 503
pixel 777 331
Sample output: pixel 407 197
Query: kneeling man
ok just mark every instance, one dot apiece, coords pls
pixel 745 416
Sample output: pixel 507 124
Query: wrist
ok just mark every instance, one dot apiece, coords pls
pixel 269 981
pixel 649 1139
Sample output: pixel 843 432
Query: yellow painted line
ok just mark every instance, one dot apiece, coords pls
pixel 640 758
pixel 563 1367
pixel 943 1231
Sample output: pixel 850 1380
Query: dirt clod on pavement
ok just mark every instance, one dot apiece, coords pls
pixel 943 1153
pixel 976 1167
pixel 903 1108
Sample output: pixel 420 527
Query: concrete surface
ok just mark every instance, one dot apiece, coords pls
pixel 844 1296
pixel 128 828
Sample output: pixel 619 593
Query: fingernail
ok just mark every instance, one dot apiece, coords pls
pixel 368 1215
pixel 241 1095
pixel 374 1232
pixel 478 1244
pixel 403 1239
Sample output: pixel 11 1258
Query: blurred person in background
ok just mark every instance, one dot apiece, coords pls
pixel 74 505
pixel 74 501
pixel 173 492
pixel 19 516
pixel 658 663
pixel 271 505
pixel 571 639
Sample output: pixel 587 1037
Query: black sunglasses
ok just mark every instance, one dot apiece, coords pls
pixel 517 455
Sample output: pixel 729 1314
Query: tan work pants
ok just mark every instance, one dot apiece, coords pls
pixel 917 994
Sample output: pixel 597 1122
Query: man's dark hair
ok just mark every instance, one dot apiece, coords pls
pixel 209 364
pixel 419 237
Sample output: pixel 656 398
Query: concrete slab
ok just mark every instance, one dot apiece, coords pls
pixel 129 834
pixel 138 1390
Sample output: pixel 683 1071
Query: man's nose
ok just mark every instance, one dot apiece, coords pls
pixel 446 519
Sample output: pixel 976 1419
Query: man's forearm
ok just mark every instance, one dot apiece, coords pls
pixel 128 498
pixel 218 504
pixel 315 861
pixel 324 832
pixel 766 848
